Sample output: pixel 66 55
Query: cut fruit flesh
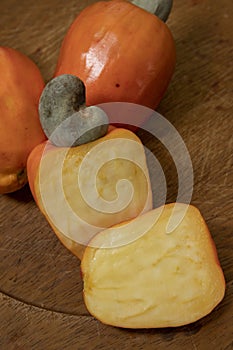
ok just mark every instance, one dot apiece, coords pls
pixel 68 178
pixel 157 280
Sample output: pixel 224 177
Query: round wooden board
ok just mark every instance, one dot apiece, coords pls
pixel 40 284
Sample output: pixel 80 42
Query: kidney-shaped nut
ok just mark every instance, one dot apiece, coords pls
pixel 64 117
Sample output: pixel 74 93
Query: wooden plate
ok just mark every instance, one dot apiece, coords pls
pixel 40 283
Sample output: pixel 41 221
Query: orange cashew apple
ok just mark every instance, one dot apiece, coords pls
pixel 20 131
pixel 121 52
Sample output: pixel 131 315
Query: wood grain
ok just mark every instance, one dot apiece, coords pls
pixel 41 305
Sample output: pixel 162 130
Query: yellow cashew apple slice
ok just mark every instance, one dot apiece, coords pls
pixel 83 190
pixel 158 279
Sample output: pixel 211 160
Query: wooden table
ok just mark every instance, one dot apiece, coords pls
pixel 41 290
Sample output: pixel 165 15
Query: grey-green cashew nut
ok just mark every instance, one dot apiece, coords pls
pixel 64 117
pixel 161 8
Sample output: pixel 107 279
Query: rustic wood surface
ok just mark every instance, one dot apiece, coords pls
pixel 41 304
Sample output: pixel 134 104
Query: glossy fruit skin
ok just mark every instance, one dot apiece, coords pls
pixel 21 85
pixel 122 53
